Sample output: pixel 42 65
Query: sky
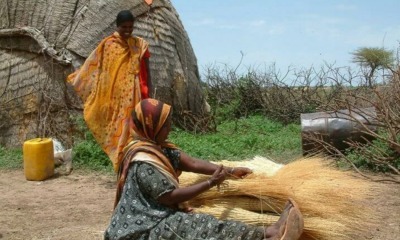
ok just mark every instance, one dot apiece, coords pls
pixel 287 33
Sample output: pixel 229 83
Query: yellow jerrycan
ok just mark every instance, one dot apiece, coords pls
pixel 38 159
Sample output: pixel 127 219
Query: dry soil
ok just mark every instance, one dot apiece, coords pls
pixel 79 206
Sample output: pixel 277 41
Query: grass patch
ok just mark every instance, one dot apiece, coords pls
pixel 11 158
pixel 243 139
pixel 234 140
pixel 88 155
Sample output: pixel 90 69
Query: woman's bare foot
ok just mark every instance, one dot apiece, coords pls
pixel 289 226
pixel 295 223
pixel 278 228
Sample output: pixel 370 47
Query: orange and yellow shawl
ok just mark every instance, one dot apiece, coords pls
pixel 110 83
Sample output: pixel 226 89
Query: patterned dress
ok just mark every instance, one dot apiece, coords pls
pixel 110 83
pixel 138 215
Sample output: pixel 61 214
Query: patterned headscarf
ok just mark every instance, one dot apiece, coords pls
pixel 149 117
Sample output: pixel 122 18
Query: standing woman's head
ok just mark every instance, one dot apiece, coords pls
pixel 152 120
pixel 125 21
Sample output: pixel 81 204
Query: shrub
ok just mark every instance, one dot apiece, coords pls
pixel 283 97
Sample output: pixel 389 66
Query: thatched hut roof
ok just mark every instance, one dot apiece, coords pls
pixel 41 42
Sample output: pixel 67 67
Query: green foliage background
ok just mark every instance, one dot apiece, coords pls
pixel 258 113
pixel 234 140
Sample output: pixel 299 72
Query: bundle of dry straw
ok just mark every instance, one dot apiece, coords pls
pixel 334 203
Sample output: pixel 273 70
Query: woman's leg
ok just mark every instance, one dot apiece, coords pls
pixel 182 225
pixel 203 226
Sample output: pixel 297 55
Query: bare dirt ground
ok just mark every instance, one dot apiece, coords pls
pixel 79 206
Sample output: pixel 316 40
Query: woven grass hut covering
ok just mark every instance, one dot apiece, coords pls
pixel 41 42
pixel 334 203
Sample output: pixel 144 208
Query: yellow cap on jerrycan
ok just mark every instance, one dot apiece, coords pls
pixel 38 159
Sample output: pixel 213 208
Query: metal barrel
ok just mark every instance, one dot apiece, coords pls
pixel 336 128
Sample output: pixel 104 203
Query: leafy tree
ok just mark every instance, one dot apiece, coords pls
pixel 373 58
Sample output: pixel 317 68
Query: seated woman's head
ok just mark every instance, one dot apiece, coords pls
pixel 152 120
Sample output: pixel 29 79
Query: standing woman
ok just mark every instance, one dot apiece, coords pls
pixel 113 79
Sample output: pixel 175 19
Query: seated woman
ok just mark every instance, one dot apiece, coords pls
pixel 148 196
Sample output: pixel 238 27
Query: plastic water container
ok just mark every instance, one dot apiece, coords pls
pixel 38 159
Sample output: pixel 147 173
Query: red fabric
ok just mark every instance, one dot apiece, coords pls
pixel 144 87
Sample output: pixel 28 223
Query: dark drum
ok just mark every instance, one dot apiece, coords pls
pixel 336 128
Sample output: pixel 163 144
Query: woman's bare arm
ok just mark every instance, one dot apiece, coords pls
pixel 191 164
pixel 184 194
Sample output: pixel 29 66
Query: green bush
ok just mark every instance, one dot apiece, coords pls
pixel 367 157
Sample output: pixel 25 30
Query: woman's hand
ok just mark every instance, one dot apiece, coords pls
pixel 239 172
pixel 218 177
